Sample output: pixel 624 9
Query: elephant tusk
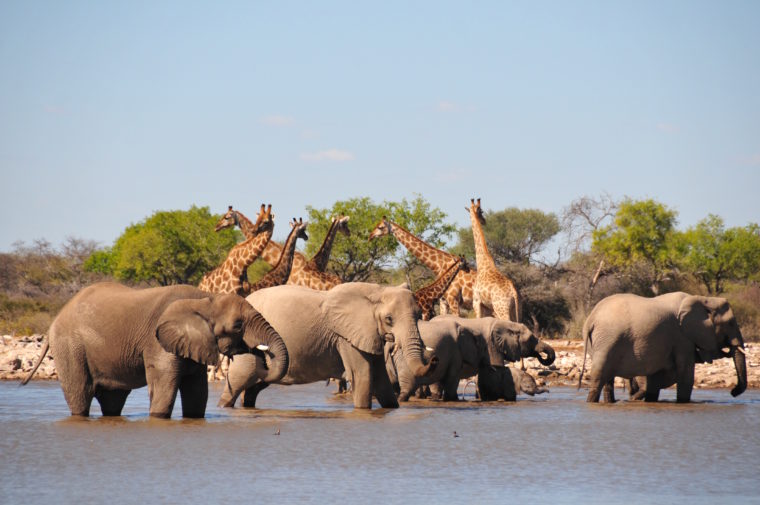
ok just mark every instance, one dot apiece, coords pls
pixel 741 350
pixel 429 348
pixel 262 347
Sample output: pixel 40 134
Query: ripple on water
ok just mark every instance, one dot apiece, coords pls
pixel 552 448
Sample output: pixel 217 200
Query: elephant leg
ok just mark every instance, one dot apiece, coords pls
pixel 251 393
pixel 193 393
pixel 381 384
pixel 684 376
pixel 609 391
pixel 163 377
pixel 450 386
pixel 111 400
pixel 636 390
pixel 76 382
pixel 651 394
pixel 244 371
pixel 358 369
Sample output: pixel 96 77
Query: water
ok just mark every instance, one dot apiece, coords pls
pixel 553 448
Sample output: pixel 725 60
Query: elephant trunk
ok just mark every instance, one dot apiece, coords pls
pixel 741 369
pixel 412 348
pixel 260 333
pixel 543 348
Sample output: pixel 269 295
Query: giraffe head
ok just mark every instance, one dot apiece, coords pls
pixel 299 228
pixel 383 228
pixel 475 208
pixel 227 220
pixel 341 225
pixel 462 261
pixel 264 220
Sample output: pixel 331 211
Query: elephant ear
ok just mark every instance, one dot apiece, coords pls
pixel 352 316
pixel 183 329
pixel 696 320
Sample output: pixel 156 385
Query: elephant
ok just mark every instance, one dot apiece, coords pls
pixel 466 347
pixel 109 339
pixel 331 332
pixel 660 338
pixel 506 383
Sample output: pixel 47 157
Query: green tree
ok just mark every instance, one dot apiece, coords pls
pixel 715 254
pixel 169 247
pixel 512 234
pixel 642 235
pixel 356 258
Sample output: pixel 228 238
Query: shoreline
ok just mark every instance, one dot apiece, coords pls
pixel 18 354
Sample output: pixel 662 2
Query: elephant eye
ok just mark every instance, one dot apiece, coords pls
pixel 238 326
pixel 389 320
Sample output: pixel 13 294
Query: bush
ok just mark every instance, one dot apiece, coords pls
pixel 745 302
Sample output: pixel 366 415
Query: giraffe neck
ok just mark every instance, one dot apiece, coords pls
pixel 279 274
pixel 272 252
pixel 482 256
pixel 243 255
pixel 440 285
pixel 245 224
pixel 435 259
pixel 320 259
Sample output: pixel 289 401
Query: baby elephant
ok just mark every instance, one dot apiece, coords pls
pixel 506 383
pixel 467 347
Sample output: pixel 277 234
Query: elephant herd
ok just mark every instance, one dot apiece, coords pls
pixel 109 339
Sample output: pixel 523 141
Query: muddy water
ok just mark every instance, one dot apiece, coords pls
pixel 551 449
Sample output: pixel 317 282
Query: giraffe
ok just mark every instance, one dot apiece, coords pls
pixel 231 276
pixel 280 273
pixel 237 218
pixel 272 251
pixel 313 274
pixel 459 293
pixel 427 296
pixel 493 291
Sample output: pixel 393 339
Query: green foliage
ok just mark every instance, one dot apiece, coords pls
pixel 512 234
pixel 169 247
pixel 715 254
pixel 356 258
pixel 643 233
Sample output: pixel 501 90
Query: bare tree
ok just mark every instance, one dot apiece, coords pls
pixel 583 217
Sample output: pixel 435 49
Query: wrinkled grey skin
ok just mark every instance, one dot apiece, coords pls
pixel 331 332
pixel 506 383
pixel 110 339
pixel 466 347
pixel 660 338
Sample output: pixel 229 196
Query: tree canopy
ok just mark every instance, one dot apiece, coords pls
pixel 356 258
pixel 642 233
pixel 715 254
pixel 169 247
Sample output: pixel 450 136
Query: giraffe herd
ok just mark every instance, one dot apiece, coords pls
pixel 484 290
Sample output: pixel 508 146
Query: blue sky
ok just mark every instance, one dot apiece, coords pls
pixel 112 110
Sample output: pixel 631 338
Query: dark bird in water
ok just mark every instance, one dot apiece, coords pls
pixel 277 432
pixel 455 435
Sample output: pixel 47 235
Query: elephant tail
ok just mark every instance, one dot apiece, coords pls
pixel 587 328
pixel 45 348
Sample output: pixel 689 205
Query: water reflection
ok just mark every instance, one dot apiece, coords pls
pixel 553 448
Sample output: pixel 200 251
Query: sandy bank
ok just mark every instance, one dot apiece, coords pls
pixel 18 355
